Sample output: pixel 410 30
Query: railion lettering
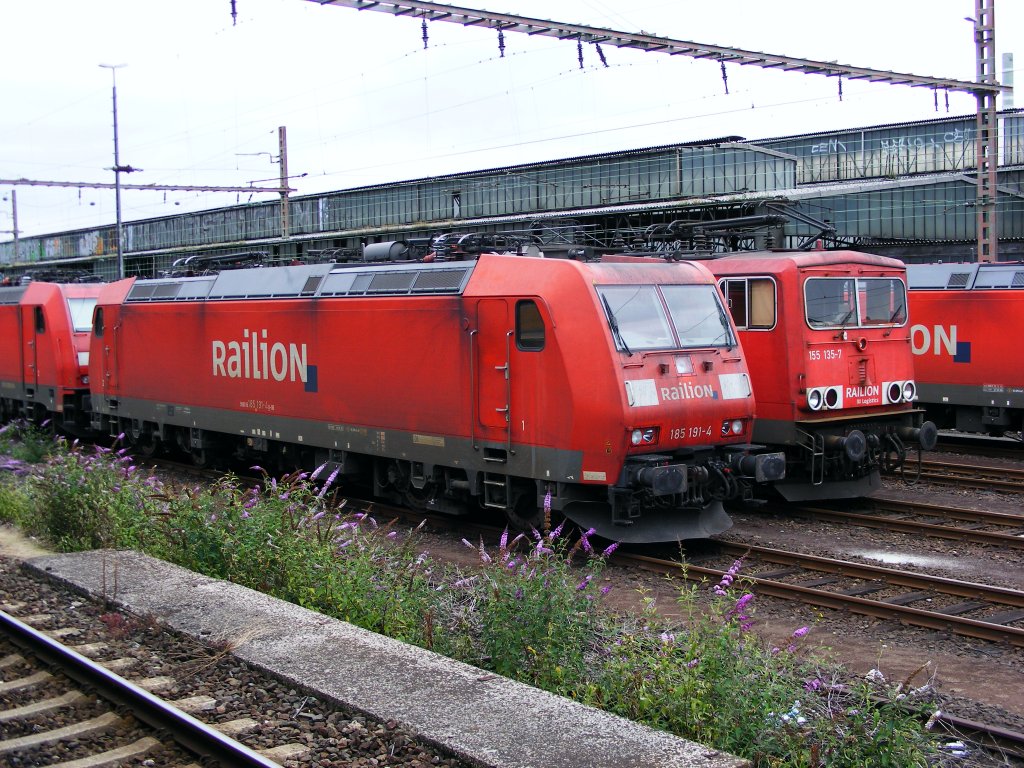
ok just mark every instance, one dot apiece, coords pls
pixel 255 357
pixel 687 391
pixel 871 390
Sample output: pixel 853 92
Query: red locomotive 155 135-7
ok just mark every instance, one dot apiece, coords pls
pixel 827 339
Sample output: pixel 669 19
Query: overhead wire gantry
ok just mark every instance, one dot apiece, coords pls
pixel 985 88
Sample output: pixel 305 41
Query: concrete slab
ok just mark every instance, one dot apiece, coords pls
pixel 485 719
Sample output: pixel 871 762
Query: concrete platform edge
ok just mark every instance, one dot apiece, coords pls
pixel 484 719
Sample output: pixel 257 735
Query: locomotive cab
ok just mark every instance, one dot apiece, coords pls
pixel 44 353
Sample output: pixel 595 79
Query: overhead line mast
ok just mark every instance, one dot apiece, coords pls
pixel 985 89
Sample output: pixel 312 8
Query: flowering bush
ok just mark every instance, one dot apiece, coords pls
pixel 528 612
pixel 531 608
pixel 90 498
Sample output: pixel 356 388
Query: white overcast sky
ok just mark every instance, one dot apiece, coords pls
pixel 201 97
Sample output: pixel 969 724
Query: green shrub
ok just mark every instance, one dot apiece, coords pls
pixel 89 498
pixel 15 505
pixel 530 610
pixel 23 441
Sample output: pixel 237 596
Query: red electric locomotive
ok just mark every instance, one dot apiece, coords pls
pixel 828 344
pixel 966 318
pixel 44 353
pixel 494 381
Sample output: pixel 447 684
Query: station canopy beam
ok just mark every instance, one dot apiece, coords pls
pixel 505 22
pixel 151 187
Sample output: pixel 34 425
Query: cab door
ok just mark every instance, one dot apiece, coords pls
pixel 492 367
pixel 33 325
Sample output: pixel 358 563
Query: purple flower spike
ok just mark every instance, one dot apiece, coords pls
pixel 558 531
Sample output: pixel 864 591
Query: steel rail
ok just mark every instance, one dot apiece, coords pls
pixel 878 608
pixel 998 478
pixel 988 517
pixel 999 538
pixel 186 731
pixel 850 569
pixel 988 736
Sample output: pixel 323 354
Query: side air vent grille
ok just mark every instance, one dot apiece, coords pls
pixel 958 280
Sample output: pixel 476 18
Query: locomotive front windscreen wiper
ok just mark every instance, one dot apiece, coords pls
pixel 614 325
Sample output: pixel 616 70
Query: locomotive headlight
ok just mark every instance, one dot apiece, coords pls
pixel 814 399
pixel 645 436
pixel 895 392
pixel 832 397
pixel 732 426
pixel 909 391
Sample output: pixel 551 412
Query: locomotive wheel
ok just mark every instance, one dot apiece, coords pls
pixel 524 514
pixel 145 445
pixel 417 499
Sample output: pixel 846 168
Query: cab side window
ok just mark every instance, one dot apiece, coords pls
pixel 751 301
pixel 40 320
pixel 529 327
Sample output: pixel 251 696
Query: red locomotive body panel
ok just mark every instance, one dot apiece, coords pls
pixel 44 351
pixel 962 316
pixel 501 377
pixel 828 345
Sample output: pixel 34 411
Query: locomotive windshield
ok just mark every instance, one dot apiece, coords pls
pixel 644 317
pixel 81 313
pixel 847 302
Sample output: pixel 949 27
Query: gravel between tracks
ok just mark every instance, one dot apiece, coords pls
pixel 335 736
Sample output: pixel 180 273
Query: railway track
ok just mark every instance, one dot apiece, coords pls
pixel 1009 447
pixel 924 519
pixel 932 602
pixel 60 708
pixel 965 608
pixel 991 478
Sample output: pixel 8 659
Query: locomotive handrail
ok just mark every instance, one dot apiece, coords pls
pixel 508 391
pixel 473 390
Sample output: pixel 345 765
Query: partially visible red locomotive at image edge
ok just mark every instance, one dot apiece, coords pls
pixel 492 381
pixel 44 353
pixel 827 340
pixel 967 321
